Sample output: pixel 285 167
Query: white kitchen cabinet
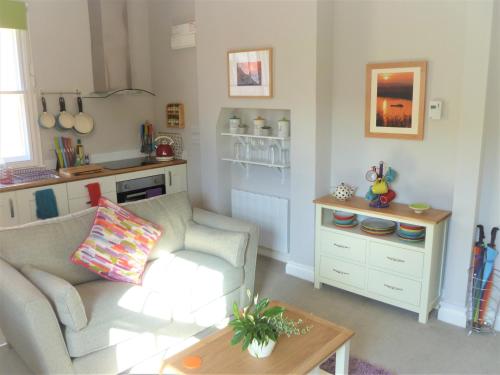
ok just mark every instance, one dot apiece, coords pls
pixel 19 207
pixel 384 268
pixel 176 179
pixel 78 196
pixel 27 206
pixel 8 209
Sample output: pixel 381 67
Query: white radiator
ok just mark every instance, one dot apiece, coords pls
pixel 268 212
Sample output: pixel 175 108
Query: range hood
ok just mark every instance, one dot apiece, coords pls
pixel 120 47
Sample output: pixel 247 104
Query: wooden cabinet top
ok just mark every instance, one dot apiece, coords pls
pixel 397 211
pixel 104 173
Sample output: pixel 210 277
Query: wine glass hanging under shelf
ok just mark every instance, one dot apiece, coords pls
pixel 267 151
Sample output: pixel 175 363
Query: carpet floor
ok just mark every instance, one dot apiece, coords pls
pixel 386 336
pixel 356 367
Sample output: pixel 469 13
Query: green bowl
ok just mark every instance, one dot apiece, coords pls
pixel 419 207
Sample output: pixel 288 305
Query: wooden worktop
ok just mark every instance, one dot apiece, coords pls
pixel 104 173
pixel 395 210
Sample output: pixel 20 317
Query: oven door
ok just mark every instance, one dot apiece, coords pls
pixel 140 188
pixel 136 195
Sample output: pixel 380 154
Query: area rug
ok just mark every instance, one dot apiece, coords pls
pixel 356 367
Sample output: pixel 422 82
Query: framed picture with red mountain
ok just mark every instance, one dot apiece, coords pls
pixel 395 100
pixel 250 73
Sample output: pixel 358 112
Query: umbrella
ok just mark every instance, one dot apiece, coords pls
pixel 487 282
pixel 477 267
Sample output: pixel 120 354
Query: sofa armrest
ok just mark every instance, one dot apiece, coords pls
pixel 30 324
pixel 217 221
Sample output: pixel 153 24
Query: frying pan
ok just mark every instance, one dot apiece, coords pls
pixel 46 120
pixel 84 123
pixel 65 120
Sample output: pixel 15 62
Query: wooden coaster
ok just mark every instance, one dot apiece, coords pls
pixel 192 362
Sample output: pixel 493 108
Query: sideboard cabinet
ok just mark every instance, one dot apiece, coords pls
pixel 384 268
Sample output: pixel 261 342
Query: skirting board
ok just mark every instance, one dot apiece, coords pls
pixel 447 313
pixel 264 251
pixel 301 271
pixel 456 315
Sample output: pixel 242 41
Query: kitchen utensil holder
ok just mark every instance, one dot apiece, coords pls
pixel 482 309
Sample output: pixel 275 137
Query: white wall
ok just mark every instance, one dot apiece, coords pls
pixel 290 28
pixel 489 213
pixel 443 169
pixel 175 80
pixel 60 41
pixel 383 31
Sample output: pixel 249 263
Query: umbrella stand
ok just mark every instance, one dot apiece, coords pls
pixel 482 313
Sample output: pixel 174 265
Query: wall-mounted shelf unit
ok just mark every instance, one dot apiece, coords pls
pixel 256 136
pixel 282 142
pixel 246 163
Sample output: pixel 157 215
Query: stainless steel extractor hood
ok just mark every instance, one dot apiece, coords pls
pixel 110 25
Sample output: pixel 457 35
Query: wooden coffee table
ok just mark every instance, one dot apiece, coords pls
pixel 292 355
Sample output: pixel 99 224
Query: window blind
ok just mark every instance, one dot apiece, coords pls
pixel 12 14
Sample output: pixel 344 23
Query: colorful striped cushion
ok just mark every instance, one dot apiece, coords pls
pixel 118 245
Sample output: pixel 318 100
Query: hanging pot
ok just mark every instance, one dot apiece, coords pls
pixel 65 120
pixel 46 119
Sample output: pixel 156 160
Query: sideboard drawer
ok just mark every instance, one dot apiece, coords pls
pixel 344 246
pixel 396 259
pixel 394 287
pixel 344 272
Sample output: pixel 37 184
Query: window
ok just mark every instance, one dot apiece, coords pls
pixel 17 130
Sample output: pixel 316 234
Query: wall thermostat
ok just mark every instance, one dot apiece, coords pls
pixel 435 109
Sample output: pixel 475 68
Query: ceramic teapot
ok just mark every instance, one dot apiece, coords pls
pixel 344 191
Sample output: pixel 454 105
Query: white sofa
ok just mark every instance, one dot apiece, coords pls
pixel 62 318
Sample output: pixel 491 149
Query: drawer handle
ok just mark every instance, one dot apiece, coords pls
pixel 341 246
pixel 11 206
pixel 393 287
pixel 340 272
pixel 396 259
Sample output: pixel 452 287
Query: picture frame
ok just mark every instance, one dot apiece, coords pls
pixel 250 73
pixel 395 100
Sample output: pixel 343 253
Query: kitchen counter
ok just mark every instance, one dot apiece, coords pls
pixel 105 172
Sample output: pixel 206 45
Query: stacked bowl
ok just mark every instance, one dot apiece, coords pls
pixel 344 219
pixel 411 233
pixel 378 227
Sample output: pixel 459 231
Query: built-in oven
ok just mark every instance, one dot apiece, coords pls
pixel 140 188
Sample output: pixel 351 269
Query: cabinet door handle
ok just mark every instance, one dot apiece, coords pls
pixel 393 287
pixel 11 206
pixel 341 246
pixel 396 259
pixel 170 178
pixel 340 272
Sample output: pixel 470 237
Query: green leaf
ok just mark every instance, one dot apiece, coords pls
pixel 238 336
pixel 246 343
pixel 235 310
pixel 262 304
pixel 273 311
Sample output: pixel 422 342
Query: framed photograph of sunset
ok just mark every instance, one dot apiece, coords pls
pixel 250 73
pixel 395 100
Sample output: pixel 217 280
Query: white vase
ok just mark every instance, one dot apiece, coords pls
pixel 261 351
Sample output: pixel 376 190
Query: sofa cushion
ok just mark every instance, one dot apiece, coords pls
pixel 48 244
pixel 225 244
pixel 62 295
pixel 118 245
pixel 117 312
pixel 191 279
pixel 171 212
